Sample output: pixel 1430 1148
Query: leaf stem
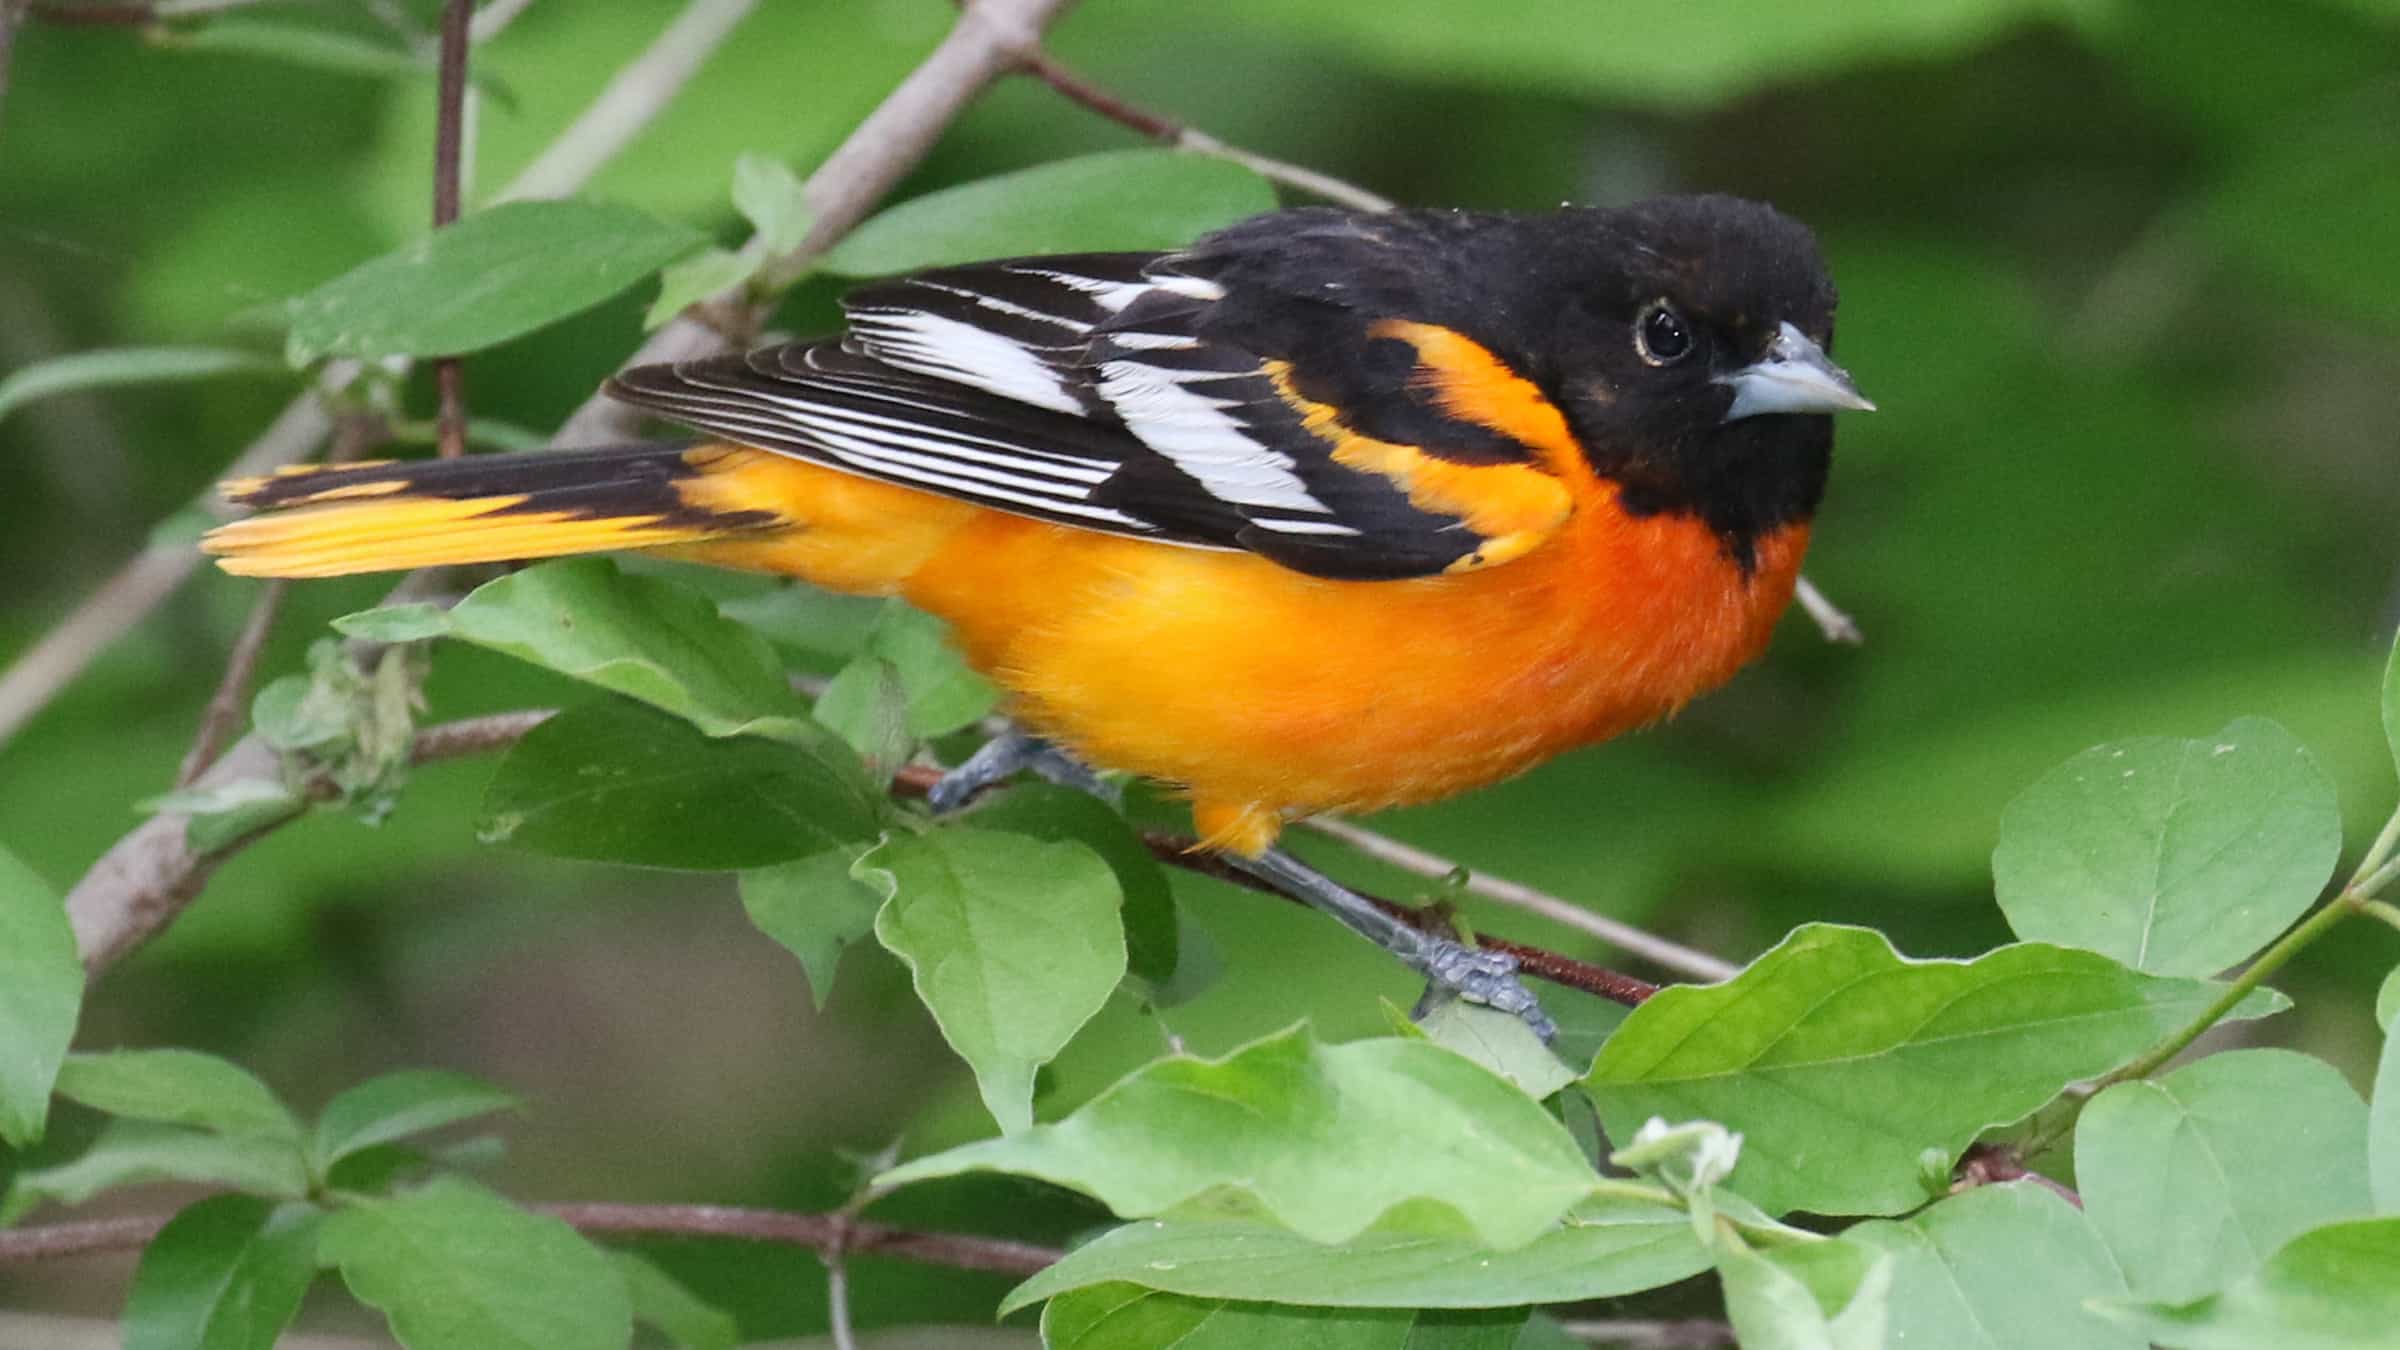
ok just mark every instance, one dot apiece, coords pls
pixel 2268 962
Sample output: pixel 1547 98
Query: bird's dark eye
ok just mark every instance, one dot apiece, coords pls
pixel 1659 335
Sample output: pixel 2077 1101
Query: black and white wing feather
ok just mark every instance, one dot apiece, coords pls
pixel 1140 394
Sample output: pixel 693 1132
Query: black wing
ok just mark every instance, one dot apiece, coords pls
pixel 1215 397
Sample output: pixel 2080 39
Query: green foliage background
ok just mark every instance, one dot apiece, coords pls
pixel 2119 273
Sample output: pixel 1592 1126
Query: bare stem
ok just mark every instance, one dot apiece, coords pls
pixel 817 1232
pixel 449 139
pixel 226 706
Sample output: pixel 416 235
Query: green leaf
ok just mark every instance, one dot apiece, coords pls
pixel 396 1105
pixel 452 1265
pixel 1153 934
pixel 661 1300
pixel 687 283
pixel 1284 1129
pixel 495 275
pixel 1813 1296
pixel 2328 1289
pixel 414 622
pixel 227 1273
pixel 2192 1179
pixel 1601 1249
pixel 864 705
pixel 1997 1268
pixel 944 693
pixel 2387 1002
pixel 648 638
pixel 135 1152
pixel 2175 857
pixel 618 781
pixel 119 366
pixel 1500 1042
pixel 773 199
pixel 1128 1317
pixel 2383 1127
pixel 178 1087
pixel 1014 945
pixel 1124 199
pixel 1842 1063
pixel 41 994
pixel 814 909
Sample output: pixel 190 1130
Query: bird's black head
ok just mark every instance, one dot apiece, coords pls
pixel 1685 338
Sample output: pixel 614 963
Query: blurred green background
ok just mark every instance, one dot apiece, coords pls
pixel 2124 276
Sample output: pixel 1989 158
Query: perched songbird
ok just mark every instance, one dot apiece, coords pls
pixel 1328 511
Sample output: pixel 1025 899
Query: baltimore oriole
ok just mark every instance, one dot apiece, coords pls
pixel 1328 511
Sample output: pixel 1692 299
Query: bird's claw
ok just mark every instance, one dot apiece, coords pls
pixel 1479 975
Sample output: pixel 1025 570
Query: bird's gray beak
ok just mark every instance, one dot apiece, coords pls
pixel 1796 376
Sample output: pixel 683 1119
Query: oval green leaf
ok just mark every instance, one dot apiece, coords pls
pixel 227 1273
pixel 1842 1063
pixel 455 1267
pixel 180 1087
pixel 397 1105
pixel 1998 1268
pixel 813 908
pixel 620 781
pixel 495 275
pixel 1129 1317
pixel 41 994
pixel 1600 1249
pixel 1323 1140
pixel 2383 1128
pixel 2194 1178
pixel 2328 1289
pixel 1014 944
pixel 1124 199
pixel 2177 857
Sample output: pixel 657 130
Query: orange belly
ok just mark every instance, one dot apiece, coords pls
pixel 1268 694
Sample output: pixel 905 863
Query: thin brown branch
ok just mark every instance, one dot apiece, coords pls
pixel 232 699
pixel 83 1237
pixel 1168 131
pixel 1987 1163
pixel 449 139
pixel 816 1232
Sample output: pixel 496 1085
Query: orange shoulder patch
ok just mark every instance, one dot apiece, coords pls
pixel 1512 508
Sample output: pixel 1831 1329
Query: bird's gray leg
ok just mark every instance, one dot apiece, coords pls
pixel 1005 754
pixel 1479 976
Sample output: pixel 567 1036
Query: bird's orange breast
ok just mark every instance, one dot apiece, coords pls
pixel 1267 693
